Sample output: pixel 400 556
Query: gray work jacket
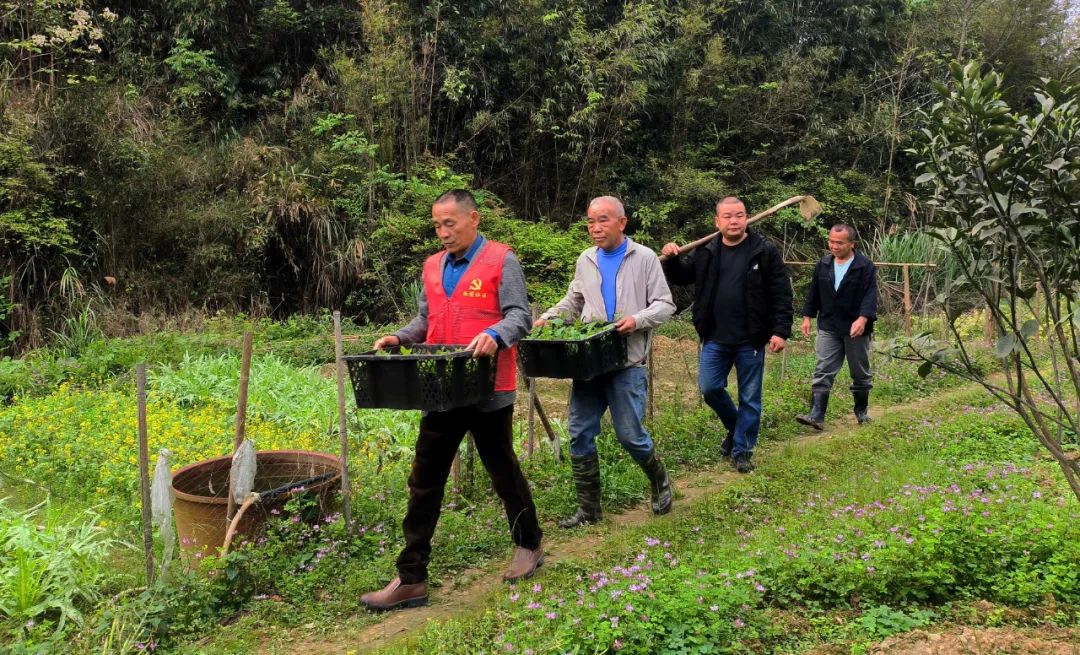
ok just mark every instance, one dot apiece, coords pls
pixel 641 291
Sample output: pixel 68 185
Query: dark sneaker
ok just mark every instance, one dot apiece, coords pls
pixel 743 463
pixel 580 517
pixel 395 595
pixel 726 446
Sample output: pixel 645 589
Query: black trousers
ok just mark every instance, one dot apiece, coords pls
pixel 440 435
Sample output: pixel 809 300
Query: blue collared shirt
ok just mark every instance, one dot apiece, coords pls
pixel 454 269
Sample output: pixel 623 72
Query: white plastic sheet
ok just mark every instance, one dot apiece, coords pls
pixel 243 471
pixel 161 504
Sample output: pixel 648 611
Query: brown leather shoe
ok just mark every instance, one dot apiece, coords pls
pixel 525 563
pixel 395 595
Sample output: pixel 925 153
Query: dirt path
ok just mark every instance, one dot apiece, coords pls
pixel 963 640
pixel 474 588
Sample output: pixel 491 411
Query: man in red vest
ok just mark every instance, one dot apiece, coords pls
pixel 474 292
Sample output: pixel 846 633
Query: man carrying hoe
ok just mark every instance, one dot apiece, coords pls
pixel 742 305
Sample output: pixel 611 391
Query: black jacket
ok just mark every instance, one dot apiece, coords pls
pixel 837 309
pixel 767 294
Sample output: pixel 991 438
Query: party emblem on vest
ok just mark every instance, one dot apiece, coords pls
pixel 475 289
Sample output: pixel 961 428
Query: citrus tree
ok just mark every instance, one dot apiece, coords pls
pixel 1003 188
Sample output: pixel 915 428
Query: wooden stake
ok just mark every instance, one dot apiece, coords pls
pixel 907 299
pixel 556 448
pixel 144 472
pixel 241 415
pixel 339 353
pixel 535 403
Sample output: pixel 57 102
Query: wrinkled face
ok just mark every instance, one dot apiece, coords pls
pixel 840 245
pixel 606 224
pixel 455 225
pixel 731 220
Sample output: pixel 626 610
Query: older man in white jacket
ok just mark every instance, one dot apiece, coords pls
pixel 621 281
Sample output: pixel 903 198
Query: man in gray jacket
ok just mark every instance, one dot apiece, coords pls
pixel 620 281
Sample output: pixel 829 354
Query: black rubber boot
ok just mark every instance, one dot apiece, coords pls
pixel 659 481
pixel 862 402
pixel 587 480
pixel 816 417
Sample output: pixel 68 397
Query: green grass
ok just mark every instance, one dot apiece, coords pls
pixel 300 589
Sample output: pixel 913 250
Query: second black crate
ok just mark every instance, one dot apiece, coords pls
pixel 578 359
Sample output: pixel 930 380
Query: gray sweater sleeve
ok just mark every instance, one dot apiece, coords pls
pixel 416 330
pixel 514 302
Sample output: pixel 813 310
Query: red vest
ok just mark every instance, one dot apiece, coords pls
pixel 473 307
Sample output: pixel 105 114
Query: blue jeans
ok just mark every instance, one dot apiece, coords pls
pixel 624 392
pixel 743 423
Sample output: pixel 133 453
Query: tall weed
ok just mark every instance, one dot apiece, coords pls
pixel 50 570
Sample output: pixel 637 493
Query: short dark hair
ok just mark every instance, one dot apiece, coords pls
pixel 730 199
pixel 459 196
pixel 846 229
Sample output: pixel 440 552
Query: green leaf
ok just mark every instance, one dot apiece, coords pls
pixel 1030 328
pixel 1005 345
pixel 925 368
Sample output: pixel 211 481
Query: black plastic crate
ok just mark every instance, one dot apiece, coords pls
pixel 423 379
pixel 578 359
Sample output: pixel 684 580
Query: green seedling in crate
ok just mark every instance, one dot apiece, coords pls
pixel 563 330
pixel 405 350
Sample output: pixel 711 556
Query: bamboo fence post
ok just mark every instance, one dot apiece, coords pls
pixel 144 472
pixel 652 387
pixel 907 299
pixel 783 364
pixel 455 471
pixel 241 415
pixel 470 457
pixel 339 353
pixel 531 425
pixel 1038 313
pixel 700 398
pixel 531 382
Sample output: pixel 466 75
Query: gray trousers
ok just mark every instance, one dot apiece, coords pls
pixel 831 350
